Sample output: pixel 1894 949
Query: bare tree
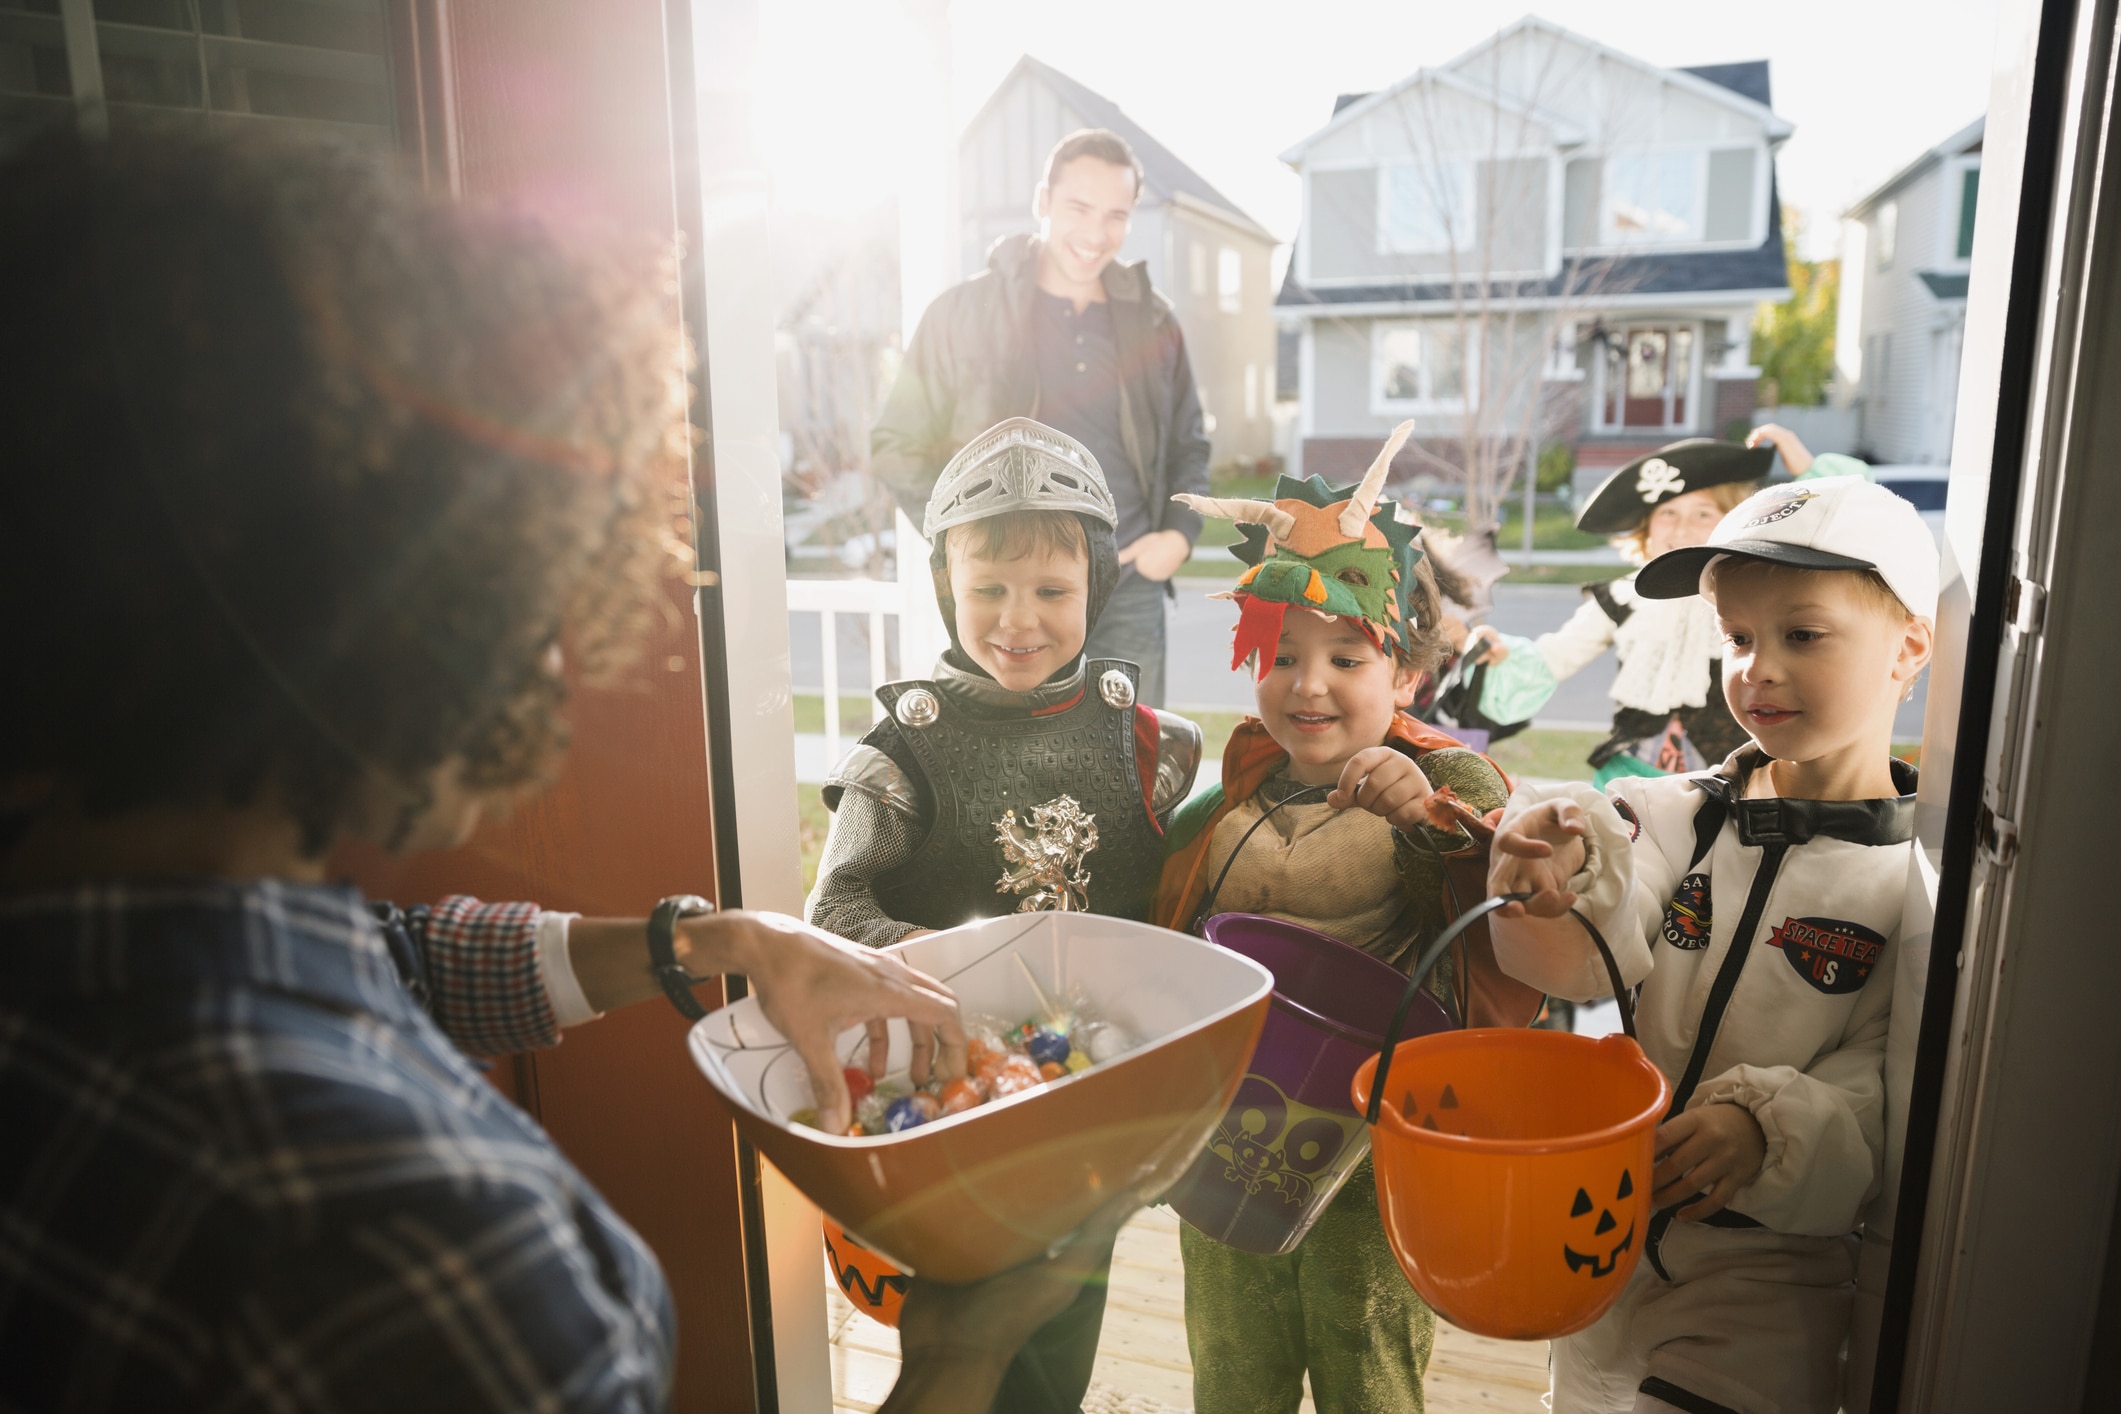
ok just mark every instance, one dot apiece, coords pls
pixel 1503 351
pixel 838 355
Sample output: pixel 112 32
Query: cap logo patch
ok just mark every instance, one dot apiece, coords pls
pixel 1659 480
pixel 1797 502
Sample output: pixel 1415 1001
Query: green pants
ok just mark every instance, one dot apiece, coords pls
pixel 1338 1306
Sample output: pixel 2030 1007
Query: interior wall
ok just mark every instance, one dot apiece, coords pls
pixel 565 110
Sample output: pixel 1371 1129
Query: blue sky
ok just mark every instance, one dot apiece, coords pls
pixel 1228 84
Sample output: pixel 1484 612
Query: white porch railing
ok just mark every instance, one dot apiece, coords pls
pixel 828 599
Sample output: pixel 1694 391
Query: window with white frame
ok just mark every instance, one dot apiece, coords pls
pixel 1969 194
pixel 1653 198
pixel 1198 258
pixel 1229 280
pixel 1885 224
pixel 1419 363
pixel 1425 209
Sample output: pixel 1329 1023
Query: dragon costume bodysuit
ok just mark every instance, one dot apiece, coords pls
pixel 1338 1307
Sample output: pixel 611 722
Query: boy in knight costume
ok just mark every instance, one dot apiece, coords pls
pixel 1021 775
pixel 1668 711
pixel 1759 906
pixel 1340 616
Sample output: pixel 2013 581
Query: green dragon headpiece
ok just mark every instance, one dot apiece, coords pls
pixel 1337 551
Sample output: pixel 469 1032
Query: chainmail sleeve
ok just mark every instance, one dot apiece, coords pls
pixel 877 825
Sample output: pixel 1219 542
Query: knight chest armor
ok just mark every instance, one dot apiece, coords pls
pixel 976 768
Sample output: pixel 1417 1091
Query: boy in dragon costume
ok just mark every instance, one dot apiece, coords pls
pixel 1339 617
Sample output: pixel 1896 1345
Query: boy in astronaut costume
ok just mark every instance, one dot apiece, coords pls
pixel 1758 906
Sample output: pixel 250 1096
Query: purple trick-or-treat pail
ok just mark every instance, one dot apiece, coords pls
pixel 1291 1137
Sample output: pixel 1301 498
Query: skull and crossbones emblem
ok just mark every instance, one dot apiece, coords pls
pixel 1658 480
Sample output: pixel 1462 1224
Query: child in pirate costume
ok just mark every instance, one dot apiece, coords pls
pixel 1758 905
pixel 1668 712
pixel 1014 719
pixel 1340 617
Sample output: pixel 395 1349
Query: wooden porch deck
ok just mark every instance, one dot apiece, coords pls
pixel 1142 1364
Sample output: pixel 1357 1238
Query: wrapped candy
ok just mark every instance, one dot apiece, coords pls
pixel 1013 1076
pixel 1047 1047
pixel 1001 1060
pixel 912 1111
pixel 1104 1041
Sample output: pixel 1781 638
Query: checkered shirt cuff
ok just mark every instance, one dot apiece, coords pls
pixel 482 968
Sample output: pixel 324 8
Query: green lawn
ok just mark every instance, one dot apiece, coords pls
pixel 854 713
pixel 812 820
pixel 1553 524
pixel 1549 755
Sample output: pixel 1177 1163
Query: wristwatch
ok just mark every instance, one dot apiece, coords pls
pixel 676 982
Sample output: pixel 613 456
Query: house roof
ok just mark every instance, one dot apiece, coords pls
pixel 1748 78
pixel 1729 89
pixel 1347 108
pixel 1743 86
pixel 1763 268
pixel 1164 171
pixel 1967 139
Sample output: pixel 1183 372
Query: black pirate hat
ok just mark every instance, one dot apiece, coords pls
pixel 1626 498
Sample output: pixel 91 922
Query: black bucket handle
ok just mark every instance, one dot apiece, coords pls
pixel 1435 951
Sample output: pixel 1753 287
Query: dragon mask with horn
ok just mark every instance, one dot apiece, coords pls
pixel 1338 552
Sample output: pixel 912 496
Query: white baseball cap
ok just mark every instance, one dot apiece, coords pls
pixel 1833 523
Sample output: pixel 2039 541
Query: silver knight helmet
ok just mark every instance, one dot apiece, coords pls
pixel 1022 465
pixel 1018 465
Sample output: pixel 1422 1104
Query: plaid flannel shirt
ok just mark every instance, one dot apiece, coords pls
pixel 243 1170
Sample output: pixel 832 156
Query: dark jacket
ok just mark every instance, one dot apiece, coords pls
pixel 970 366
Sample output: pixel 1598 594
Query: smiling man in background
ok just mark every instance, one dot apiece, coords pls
pixel 1058 329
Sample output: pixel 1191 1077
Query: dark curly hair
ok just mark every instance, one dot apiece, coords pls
pixel 307 475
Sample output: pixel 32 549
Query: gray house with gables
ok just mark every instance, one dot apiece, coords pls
pixel 1543 238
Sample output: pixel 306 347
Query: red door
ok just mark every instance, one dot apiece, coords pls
pixel 566 108
pixel 1648 373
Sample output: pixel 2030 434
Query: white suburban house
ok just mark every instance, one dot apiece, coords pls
pixel 1543 239
pixel 1213 261
pixel 1905 253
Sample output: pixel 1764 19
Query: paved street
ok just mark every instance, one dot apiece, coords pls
pixel 1200 673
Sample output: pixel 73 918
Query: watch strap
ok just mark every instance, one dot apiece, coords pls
pixel 676 982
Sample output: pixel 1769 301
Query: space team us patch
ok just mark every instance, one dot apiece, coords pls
pixel 1832 955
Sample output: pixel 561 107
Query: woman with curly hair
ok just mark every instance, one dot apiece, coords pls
pixel 310 483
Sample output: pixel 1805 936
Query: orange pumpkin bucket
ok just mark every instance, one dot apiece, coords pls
pixel 1513 1166
pixel 872 1285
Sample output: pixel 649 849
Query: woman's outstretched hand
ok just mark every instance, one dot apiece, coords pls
pixel 812 986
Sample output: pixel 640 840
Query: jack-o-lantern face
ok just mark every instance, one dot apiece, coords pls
pixel 1601 1241
pixel 875 1287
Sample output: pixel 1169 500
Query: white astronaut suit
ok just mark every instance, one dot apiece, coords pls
pixel 1762 933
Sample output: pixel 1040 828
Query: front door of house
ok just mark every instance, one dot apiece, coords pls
pixel 1649 371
